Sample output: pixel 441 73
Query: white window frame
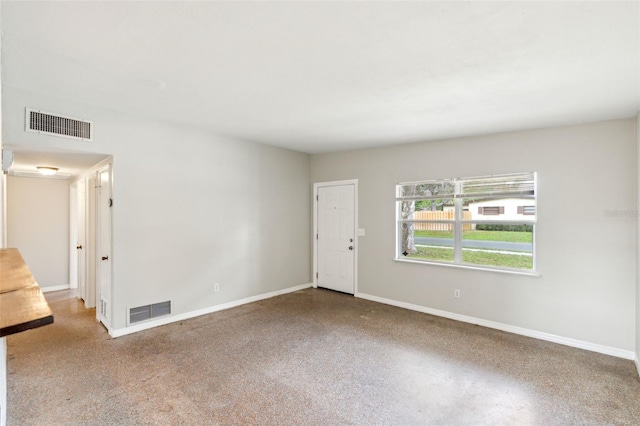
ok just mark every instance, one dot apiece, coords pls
pixel 459 222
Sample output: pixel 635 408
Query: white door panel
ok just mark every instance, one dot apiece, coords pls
pixel 91 252
pixel 104 246
pixel 336 237
pixel 81 243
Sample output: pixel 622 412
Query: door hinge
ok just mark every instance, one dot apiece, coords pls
pixel 316 275
pixel 317 198
pixel 110 202
pixel 316 236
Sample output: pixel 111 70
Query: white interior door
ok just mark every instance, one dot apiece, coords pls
pixel 81 244
pixel 336 237
pixel 73 236
pixel 104 246
pixel 90 246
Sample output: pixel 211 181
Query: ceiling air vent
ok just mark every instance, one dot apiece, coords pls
pixel 52 124
pixel 147 312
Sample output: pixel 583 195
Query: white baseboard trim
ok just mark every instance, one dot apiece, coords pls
pixel 55 288
pixel 607 350
pixel 637 364
pixel 181 317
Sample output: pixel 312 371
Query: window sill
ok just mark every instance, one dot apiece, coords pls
pixel 473 268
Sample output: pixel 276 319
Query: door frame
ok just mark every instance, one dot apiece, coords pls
pixel 73 237
pixel 89 180
pixel 316 186
pixel 91 224
pixel 104 314
pixel 80 232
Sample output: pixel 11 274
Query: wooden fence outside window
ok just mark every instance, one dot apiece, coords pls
pixel 439 215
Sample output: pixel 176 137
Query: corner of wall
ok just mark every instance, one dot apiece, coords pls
pixel 3 342
pixel 637 336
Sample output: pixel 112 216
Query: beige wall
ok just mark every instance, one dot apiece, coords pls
pixel 38 225
pixel 190 208
pixel 586 258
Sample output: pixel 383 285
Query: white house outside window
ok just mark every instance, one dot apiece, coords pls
pixel 486 221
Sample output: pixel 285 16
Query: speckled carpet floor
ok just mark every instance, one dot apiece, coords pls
pixel 313 357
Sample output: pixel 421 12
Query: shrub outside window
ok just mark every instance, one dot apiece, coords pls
pixel 486 221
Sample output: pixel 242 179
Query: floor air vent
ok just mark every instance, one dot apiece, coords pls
pixel 147 312
pixel 52 124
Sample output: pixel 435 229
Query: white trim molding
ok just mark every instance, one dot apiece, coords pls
pixel 181 317
pixel 594 347
pixel 55 288
pixel 637 361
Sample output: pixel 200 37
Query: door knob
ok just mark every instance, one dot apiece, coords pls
pixel 79 247
pixel 350 247
pixel 105 257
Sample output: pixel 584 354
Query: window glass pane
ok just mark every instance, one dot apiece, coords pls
pixel 427 241
pixel 443 188
pixel 501 245
pixel 523 183
pixel 435 209
pixel 498 213
pixel 500 209
pixel 440 209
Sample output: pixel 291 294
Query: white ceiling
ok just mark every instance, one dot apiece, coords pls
pixel 324 76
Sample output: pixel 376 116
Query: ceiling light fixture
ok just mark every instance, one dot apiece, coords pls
pixel 47 171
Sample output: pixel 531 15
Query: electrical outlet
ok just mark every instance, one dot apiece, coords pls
pixel 456 293
pixel 216 287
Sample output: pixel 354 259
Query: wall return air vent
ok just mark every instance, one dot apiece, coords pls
pixel 147 312
pixel 57 125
